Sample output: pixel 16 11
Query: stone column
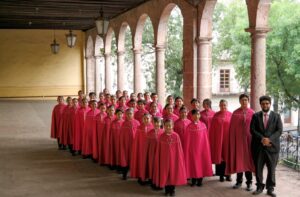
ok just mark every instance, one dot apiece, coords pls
pixel 108 77
pixel 90 74
pixel 137 78
pixel 258 66
pixel 160 73
pixel 204 68
pixel 121 71
pixel 98 74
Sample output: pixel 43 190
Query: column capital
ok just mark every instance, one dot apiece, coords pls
pixel 203 40
pixel 107 54
pixel 120 53
pixel 160 47
pixel 137 50
pixel 258 32
pixel 90 57
pixel 98 56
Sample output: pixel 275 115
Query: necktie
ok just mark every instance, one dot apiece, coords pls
pixel 265 120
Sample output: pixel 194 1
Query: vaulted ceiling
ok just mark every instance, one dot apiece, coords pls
pixel 60 14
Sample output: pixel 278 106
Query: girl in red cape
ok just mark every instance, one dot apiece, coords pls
pixel 65 124
pixel 154 111
pixel 207 114
pixel 139 114
pixel 74 111
pixel 181 124
pixel 56 118
pixel 239 156
pixel 139 151
pixel 115 130
pixel 105 141
pixel 169 168
pixel 152 141
pixel 168 113
pixel 178 105
pixel 195 103
pixel 122 104
pixel 169 100
pixel 218 138
pixel 197 150
pixel 79 125
pixel 97 134
pixel 127 135
pixel 89 128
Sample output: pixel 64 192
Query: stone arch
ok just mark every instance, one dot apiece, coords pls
pixel 258 13
pixel 108 39
pixel 138 36
pixel 121 36
pixel 89 47
pixel 99 44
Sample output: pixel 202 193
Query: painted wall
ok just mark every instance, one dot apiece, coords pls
pixel 28 68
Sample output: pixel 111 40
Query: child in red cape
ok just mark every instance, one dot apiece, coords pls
pixel 56 118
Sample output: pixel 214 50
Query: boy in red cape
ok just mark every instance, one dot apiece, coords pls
pixel 195 103
pixel 115 131
pixel 154 111
pixel 181 124
pixel 139 114
pixel 152 141
pixel 65 124
pixel 239 156
pixel 127 136
pixel 97 134
pixel 74 111
pixel 168 113
pixel 89 128
pixel 56 118
pixel 138 157
pixel 169 168
pixel 105 141
pixel 218 138
pixel 79 126
pixel 207 114
pixel 197 150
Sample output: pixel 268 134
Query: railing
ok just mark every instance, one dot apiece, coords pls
pixel 289 149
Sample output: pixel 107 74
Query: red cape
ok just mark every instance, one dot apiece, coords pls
pixel 180 126
pixel 97 134
pixel 170 116
pixel 138 115
pixel 73 114
pixel 79 125
pixel 127 136
pixel 152 141
pixel 65 126
pixel 89 128
pixel 197 151
pixel 115 131
pixel 169 168
pixel 206 117
pixel 219 136
pixel 105 141
pixel 56 118
pixel 239 155
pixel 155 114
pixel 138 156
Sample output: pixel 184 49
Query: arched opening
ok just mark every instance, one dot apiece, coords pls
pixel 99 67
pixel 90 66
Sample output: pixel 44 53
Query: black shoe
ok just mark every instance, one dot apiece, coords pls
pixel 193 182
pixel 249 187
pixel 221 178
pixel 172 193
pixel 199 182
pixel 270 192
pixel 258 191
pixel 237 185
pixel 228 178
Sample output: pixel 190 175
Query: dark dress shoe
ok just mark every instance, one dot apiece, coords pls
pixel 258 191
pixel 221 179
pixel 249 187
pixel 228 178
pixel 237 185
pixel 270 192
pixel 199 182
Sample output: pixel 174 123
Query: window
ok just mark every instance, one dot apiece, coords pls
pixel 224 80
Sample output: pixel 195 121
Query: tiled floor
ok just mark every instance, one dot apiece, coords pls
pixel 31 165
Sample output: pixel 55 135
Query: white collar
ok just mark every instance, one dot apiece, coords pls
pixel 266 113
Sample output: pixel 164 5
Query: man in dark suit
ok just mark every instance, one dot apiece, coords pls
pixel 266 128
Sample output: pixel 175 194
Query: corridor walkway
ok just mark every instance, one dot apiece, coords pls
pixel 31 165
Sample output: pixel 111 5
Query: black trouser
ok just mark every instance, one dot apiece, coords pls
pixel 125 171
pixel 220 169
pixel 270 160
pixel 169 189
pixel 239 177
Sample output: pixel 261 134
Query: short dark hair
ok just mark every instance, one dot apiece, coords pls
pixel 194 100
pixel 207 102
pixel 243 95
pixel 194 111
pixel 265 98
pixel 141 102
pixel 119 110
pixel 183 108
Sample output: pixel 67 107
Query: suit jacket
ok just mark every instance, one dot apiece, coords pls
pixel 273 132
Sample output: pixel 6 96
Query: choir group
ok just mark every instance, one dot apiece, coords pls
pixel 163 147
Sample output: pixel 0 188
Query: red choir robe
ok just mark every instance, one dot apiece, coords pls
pixel 56 119
pixel 170 116
pixel 155 114
pixel 159 107
pixel 219 136
pixel 79 126
pixel 139 152
pixel 97 134
pixel 206 117
pixel 239 153
pixel 115 132
pixel 180 126
pixel 105 141
pixel 88 130
pixel 176 111
pixel 65 126
pixel 152 141
pixel 139 115
pixel 197 151
pixel 169 168
pixel 190 116
pixel 74 112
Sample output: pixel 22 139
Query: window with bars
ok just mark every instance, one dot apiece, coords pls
pixel 224 80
